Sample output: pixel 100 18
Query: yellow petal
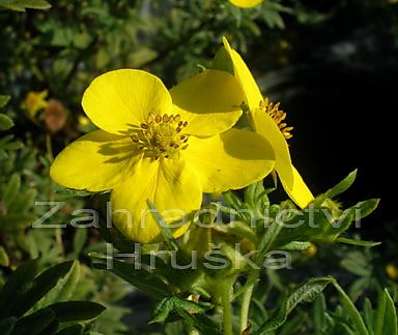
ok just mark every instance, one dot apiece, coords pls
pixel 242 73
pixel 246 3
pixel 264 125
pixel 169 184
pixel 231 160
pixel 298 190
pixel 262 122
pixel 95 162
pixel 209 101
pixel 119 99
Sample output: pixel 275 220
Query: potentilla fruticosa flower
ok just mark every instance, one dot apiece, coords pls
pixel 268 120
pixel 34 102
pixel 246 3
pixel 167 147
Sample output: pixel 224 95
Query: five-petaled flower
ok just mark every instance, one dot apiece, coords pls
pixel 268 120
pixel 164 146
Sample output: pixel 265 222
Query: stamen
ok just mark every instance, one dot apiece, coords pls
pixel 278 116
pixel 160 135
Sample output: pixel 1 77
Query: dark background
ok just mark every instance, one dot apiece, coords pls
pixel 340 93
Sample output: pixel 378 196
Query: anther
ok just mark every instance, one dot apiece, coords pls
pixel 277 115
pixel 159 136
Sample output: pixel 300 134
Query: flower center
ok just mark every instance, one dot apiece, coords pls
pixel 161 135
pixel 278 116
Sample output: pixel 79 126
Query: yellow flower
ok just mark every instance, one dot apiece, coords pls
pixel 311 251
pixel 83 121
pixel 246 3
pixel 34 102
pixel 164 146
pixel 268 120
pixel 392 271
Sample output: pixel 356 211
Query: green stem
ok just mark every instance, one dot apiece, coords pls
pixel 226 292
pixel 49 147
pixel 246 300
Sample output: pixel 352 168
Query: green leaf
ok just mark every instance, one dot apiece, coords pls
pixel 4 99
pixel 386 315
pixel 79 240
pixel 353 215
pixel 64 289
pixel 253 194
pixel 7 325
pixel 357 263
pixel 76 310
pixel 342 186
pixel 4 259
pixel 304 293
pixel 359 243
pixel 237 228
pixel 40 286
pixel 267 240
pixel 162 310
pixel 200 322
pixel 368 315
pixel 338 189
pixel 351 311
pixel 34 324
pixel 390 319
pixel 12 189
pixel 380 314
pixel 319 314
pixel 17 283
pixel 16 222
pixel 5 122
pixel 23 202
pixel 172 304
pixel 391 322
pixel 21 5
pixel 296 246
pixel 232 200
pixel 73 330
pixel 364 208
pixel 138 277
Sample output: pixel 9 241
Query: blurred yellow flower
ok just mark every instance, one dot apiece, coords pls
pixel 34 102
pixel 164 146
pixel 246 3
pixel 268 120
pixel 392 271
pixel 311 251
pixel 83 121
